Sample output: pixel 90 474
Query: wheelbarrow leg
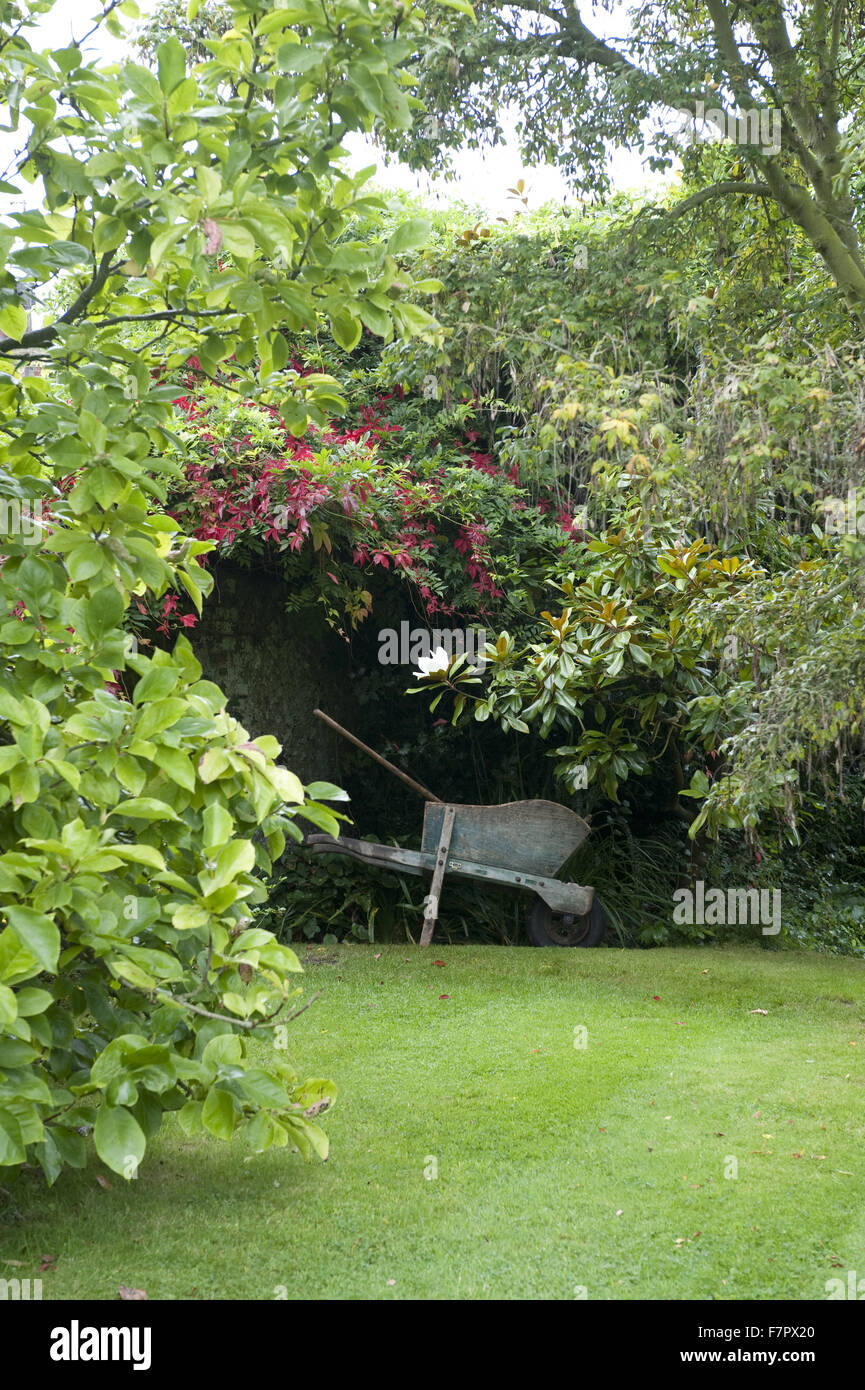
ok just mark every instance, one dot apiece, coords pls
pixel 431 907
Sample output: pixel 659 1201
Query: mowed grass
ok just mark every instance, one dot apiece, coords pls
pixel 606 1167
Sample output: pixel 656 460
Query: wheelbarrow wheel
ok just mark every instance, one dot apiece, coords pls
pixel 549 928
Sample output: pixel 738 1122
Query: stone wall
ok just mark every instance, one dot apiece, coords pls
pixel 275 667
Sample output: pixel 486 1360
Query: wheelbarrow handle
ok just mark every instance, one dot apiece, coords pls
pixel 397 772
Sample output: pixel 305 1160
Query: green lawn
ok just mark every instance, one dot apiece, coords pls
pixel 558 1167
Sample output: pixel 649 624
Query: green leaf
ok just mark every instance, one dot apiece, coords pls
pixel 308 1137
pixel 376 319
pixel 33 1001
pixel 37 932
pixel 410 236
pixel 13 321
pixel 261 1131
pixel 178 767
pixel 144 808
pixel 155 684
pixel 326 791
pixel 233 860
pixel 346 329
pixel 218 826
pixel 119 1140
pixel 8 1006
pixel 122 1090
pixel 286 783
pixel 171 64
pixel 237 239
pixel 414 321
pixel 190 1117
pixel 219 1115
pixel 139 854
pixel 35 579
pixel 104 611
pixel 164 241
pixel 213 764
pixel 49 1158
pixel 11 1141
pixel 190 917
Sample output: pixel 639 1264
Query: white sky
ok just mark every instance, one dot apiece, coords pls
pixel 482 176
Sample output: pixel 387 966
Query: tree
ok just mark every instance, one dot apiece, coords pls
pixel 578 91
pixel 197 211
pixel 193 25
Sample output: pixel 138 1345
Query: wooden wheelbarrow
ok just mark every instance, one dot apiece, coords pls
pixel 521 844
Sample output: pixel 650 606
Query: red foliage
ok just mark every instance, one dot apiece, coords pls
pixel 277 499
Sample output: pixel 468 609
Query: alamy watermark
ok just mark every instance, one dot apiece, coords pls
pixel 77 1343
pixel 20 1289
pixel 756 127
pixel 431 651
pixel 735 907
pixel 853 1288
pixel 24 520
pixel 844 518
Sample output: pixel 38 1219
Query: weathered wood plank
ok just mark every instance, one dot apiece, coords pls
pixel 431 907
pixel 537 836
pixel 562 897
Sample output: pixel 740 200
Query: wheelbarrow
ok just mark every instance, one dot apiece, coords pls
pixel 520 844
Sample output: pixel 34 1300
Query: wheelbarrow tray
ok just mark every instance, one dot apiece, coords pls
pixel 520 844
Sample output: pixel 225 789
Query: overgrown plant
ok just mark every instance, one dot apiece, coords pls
pixel 196 209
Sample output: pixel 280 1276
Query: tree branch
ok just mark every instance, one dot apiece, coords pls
pixel 38 337
pixel 717 190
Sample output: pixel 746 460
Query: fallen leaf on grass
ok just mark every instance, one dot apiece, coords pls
pixel 390 1283
pixel 377 956
pixel 103 1182
pixel 129 1295
pixel 438 962
pixel 48 1263
pixel 758 1011
pixel 444 996
pixel 18 1263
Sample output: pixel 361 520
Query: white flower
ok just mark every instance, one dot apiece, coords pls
pixel 437 664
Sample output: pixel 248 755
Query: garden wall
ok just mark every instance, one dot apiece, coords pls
pixel 275 667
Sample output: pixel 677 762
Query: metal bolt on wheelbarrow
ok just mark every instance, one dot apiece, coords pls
pixel 520 844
